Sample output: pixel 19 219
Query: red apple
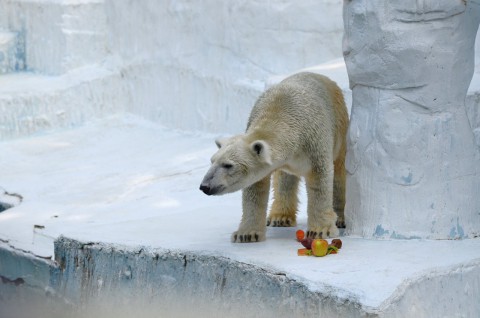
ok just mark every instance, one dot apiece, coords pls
pixel 337 243
pixel 319 247
pixel 307 243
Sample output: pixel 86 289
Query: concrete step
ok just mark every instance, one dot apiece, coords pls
pixel 32 103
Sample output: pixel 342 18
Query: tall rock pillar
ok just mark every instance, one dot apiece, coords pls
pixel 413 164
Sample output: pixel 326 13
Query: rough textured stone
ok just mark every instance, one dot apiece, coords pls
pixel 413 164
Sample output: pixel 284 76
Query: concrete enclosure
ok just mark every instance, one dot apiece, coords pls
pixel 108 114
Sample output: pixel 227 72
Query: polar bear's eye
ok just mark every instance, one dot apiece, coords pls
pixel 227 166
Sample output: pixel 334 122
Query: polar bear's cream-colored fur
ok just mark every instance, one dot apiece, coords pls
pixel 296 129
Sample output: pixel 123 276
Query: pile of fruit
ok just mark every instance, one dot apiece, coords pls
pixel 317 247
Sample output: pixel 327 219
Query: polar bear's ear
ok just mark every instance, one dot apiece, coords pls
pixel 262 150
pixel 220 142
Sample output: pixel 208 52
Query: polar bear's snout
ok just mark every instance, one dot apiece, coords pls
pixel 209 190
pixel 208 185
pixel 205 188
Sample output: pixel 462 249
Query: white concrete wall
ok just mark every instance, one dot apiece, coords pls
pixel 186 64
pixel 206 64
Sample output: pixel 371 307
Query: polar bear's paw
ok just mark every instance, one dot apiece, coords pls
pixel 322 225
pixel 281 220
pixel 248 236
pixel 324 231
pixel 341 222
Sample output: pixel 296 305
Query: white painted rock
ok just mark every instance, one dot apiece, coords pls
pixel 413 164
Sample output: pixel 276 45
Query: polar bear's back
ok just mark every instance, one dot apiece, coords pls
pixel 304 107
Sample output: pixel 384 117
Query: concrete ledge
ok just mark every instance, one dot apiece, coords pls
pixel 90 279
pixel 22 268
pixel 175 281
pixel 185 283
pixel 25 286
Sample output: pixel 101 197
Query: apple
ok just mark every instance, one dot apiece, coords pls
pixel 319 247
pixel 337 243
pixel 307 243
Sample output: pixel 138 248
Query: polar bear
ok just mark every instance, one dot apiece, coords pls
pixel 296 129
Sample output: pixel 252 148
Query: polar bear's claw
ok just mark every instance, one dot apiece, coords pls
pixel 281 221
pixel 248 237
pixel 340 223
pixel 323 233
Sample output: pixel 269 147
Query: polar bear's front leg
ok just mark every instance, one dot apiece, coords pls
pixel 321 217
pixel 254 204
pixel 285 201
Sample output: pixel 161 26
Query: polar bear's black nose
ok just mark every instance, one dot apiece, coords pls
pixel 205 188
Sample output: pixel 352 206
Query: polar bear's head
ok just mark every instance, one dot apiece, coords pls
pixel 237 164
